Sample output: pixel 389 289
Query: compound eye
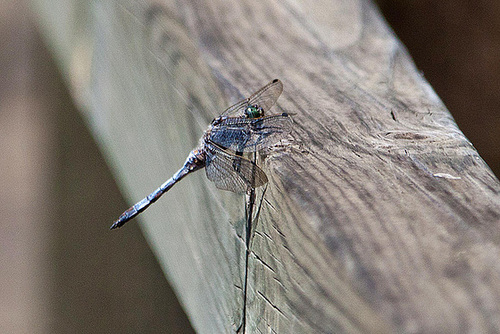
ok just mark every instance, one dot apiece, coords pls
pixel 253 111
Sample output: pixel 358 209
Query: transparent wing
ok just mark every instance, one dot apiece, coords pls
pixel 232 172
pixel 250 134
pixel 265 98
pixel 237 109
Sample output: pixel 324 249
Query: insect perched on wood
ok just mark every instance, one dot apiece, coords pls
pixel 243 127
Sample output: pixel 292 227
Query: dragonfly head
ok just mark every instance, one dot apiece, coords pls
pixel 254 111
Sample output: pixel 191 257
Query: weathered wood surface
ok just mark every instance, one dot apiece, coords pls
pixel 379 217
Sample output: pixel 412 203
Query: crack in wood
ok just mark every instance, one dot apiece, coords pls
pixel 279 282
pixel 263 262
pixel 278 230
pixel 393 114
pixel 272 305
pixel 268 236
pixel 269 203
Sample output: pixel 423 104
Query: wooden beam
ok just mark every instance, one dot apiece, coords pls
pixel 380 216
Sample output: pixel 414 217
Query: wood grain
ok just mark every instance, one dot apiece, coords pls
pixel 380 216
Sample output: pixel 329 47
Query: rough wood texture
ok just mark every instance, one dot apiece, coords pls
pixel 380 215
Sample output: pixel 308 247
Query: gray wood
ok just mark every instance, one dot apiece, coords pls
pixel 380 216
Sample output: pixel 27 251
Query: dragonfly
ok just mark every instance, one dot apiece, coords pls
pixel 242 128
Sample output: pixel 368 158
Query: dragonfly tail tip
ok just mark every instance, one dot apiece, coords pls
pixel 116 225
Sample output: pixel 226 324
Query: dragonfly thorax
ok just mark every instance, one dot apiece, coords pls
pixel 254 111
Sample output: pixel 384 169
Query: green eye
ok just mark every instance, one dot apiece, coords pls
pixel 253 112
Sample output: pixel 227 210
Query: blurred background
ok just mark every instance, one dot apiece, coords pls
pixel 456 44
pixel 63 271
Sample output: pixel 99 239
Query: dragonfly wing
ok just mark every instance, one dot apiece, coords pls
pixel 232 172
pixel 237 109
pixel 267 131
pixel 232 137
pixel 251 134
pixel 265 98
